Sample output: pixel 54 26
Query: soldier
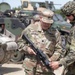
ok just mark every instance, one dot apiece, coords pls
pixel 69 10
pixel 45 38
pixel 36 18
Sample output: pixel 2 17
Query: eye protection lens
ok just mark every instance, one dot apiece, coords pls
pixel 68 15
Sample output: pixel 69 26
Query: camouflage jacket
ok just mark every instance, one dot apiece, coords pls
pixel 48 41
pixel 70 49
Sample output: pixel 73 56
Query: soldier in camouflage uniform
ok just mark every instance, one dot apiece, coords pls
pixel 69 10
pixel 36 18
pixel 45 38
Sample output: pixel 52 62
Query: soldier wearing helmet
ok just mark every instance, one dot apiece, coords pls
pixel 69 59
pixel 47 13
pixel 44 38
pixel 69 10
pixel 36 18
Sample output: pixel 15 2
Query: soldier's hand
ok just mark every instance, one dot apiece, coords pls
pixel 30 51
pixel 54 65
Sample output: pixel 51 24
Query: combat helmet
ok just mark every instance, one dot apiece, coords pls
pixel 47 13
pixel 69 8
pixel 36 17
pixel 47 16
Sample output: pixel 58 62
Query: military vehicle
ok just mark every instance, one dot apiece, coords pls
pixel 7 46
pixel 24 17
pixel 11 28
pixel 29 9
pixel 4 6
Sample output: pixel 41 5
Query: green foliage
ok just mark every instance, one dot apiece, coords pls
pixel 17 8
pixel 59 12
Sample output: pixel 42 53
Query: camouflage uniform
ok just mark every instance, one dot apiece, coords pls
pixel 46 41
pixel 69 59
pixel 49 41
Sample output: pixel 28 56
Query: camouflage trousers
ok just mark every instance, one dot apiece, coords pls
pixel 71 69
pixel 33 67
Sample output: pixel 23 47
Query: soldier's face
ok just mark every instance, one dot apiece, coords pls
pixel 70 17
pixel 45 26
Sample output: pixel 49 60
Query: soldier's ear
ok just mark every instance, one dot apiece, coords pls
pixel 74 14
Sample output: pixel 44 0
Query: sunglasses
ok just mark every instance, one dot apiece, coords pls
pixel 68 15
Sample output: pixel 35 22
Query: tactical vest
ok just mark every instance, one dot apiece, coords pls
pixel 50 47
pixel 43 39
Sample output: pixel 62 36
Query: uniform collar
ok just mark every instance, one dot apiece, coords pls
pixel 39 27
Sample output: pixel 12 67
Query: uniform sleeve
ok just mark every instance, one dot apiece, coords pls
pixel 22 45
pixel 70 57
pixel 58 47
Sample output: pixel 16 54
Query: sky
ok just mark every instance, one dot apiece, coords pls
pixel 16 3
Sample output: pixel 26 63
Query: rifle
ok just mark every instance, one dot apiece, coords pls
pixel 38 52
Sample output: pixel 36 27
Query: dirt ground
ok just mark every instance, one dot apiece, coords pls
pixel 11 69
pixel 16 69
